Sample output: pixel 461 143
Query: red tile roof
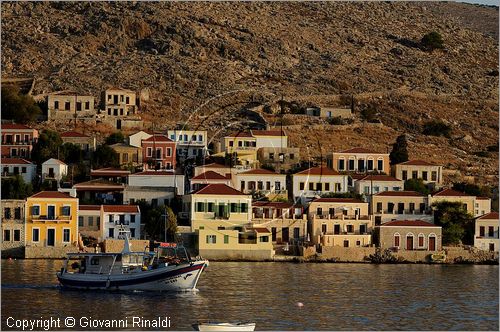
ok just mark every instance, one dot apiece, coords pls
pixel 410 223
pixel 158 138
pixel 154 173
pixel 278 133
pixel 14 126
pixel 15 161
pixel 213 165
pixel 400 193
pixel 259 171
pixel 240 134
pixel 121 208
pixel 98 184
pixel 337 200
pixel 318 171
pixel 73 134
pixel 357 176
pixel 260 230
pixel 276 205
pixel 491 215
pixel 417 162
pixel 449 192
pixel 51 194
pixel 89 207
pixel 210 175
pixel 379 177
pixel 217 189
pixel 360 150
pixel 109 171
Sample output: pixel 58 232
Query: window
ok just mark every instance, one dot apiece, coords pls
pixel 273 233
pixel 23 169
pixel 319 186
pixel 67 106
pixel 414 174
pixel 323 228
pixel 434 176
pixel 350 228
pixel 94 261
pixel 277 185
pixel 301 186
pixel 327 186
pixel 56 105
pixel 200 207
pixel 405 175
pixel 36 235
pixel 226 239
pixel 66 235
pixel 122 220
pixel 6 235
pixel 149 152
pixel 319 211
pixel 6 213
pixel 17 235
pixel 200 138
pixel 80 221
pixel 351 164
pixel 421 240
pixel 338 187
pixel 412 207
pixel 90 221
pixel 125 157
pixel 264 238
pixel 341 164
pixel 244 207
pixel 211 239
pixel 379 207
pixel 396 240
pixel 210 207
pixel 98 222
pixel 268 185
pixel 424 175
pixel 361 165
pixel 66 211
pixel 169 152
pixel 87 105
pixel 481 230
pixel 380 165
pixel 111 218
pixel 231 143
pixel 111 232
pixel 346 243
pixel 132 218
pixel 422 207
pixel 311 186
pixel 132 232
pixel 260 185
pixel 491 231
pixel 292 156
pixel 358 243
pixel 78 105
pixel 370 164
pixel 234 207
pixel 127 100
pixel 154 202
pixel 366 190
pixel 376 189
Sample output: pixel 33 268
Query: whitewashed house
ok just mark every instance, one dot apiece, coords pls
pixel 18 166
pixel 316 181
pixel 117 217
pixel 54 169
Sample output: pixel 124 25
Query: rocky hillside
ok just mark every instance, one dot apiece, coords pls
pixel 204 62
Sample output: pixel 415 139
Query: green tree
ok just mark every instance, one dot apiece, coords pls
pixel 457 223
pixel 431 41
pixel 116 137
pixel 369 113
pixel 472 189
pixel 399 151
pixel 16 188
pixel 71 153
pixel 18 107
pixel 153 219
pixel 48 146
pixel 105 156
pixel 417 185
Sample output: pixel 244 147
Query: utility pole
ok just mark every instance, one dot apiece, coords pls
pixel 166 222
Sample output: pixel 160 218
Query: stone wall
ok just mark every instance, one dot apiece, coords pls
pixel 113 245
pixel 236 255
pixel 342 254
pixel 49 252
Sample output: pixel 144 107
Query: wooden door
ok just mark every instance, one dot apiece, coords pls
pixel 409 243
pixel 432 243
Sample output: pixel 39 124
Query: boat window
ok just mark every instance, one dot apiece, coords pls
pixel 94 261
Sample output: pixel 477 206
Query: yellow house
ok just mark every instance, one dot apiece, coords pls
pixel 51 220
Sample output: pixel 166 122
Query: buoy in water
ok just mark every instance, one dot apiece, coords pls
pixel 300 304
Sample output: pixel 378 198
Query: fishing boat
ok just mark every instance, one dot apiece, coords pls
pixel 439 257
pixel 168 268
pixel 219 326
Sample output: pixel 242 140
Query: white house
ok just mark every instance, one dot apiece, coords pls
pixel 315 181
pixel 136 139
pixel 54 169
pixel 23 167
pixel 260 180
pixel 158 179
pixel 486 235
pixel 116 217
pixel 373 184
pixel 189 143
pixel 209 177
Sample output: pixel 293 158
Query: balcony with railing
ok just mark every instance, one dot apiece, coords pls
pixel 46 218
pixel 340 217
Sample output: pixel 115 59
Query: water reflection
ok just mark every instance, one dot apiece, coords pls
pixel 334 297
